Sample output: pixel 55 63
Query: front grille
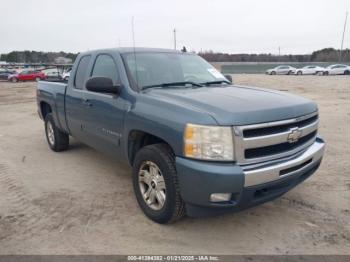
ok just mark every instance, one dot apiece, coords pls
pixel 277 149
pixel 274 140
pixel 278 129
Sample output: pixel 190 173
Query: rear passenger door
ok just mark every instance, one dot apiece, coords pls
pixel 310 70
pixel 105 112
pixel 75 97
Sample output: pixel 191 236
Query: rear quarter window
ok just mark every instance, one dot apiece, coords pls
pixel 80 75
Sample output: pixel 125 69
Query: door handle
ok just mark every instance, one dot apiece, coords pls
pixel 87 102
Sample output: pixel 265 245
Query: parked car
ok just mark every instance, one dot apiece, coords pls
pixel 281 70
pixel 4 74
pixel 27 75
pixel 197 144
pixel 337 69
pixel 310 70
pixel 52 75
pixel 66 75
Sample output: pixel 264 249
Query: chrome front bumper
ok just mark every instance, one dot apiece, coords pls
pixel 267 173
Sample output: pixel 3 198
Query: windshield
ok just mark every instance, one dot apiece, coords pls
pixel 152 68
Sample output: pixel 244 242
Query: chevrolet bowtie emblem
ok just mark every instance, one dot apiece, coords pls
pixel 294 135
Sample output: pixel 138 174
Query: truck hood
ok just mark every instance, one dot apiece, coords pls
pixel 238 105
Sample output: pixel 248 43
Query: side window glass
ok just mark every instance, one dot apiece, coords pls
pixel 106 67
pixel 81 72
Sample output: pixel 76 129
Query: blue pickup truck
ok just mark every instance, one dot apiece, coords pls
pixel 197 144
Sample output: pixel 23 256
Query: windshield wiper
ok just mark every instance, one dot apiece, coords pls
pixel 172 84
pixel 216 82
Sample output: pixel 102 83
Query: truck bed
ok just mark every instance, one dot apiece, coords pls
pixel 53 94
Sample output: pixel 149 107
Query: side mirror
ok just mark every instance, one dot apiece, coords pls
pixel 229 78
pixel 101 84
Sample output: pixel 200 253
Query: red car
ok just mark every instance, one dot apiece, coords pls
pixel 27 75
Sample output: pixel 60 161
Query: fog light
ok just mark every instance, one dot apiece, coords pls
pixel 220 197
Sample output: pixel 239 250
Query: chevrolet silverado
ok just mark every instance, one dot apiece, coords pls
pixel 197 144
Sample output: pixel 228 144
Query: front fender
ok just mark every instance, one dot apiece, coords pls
pixel 162 119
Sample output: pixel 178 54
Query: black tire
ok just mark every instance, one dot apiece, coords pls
pixel 289 73
pixel 14 80
pixel 299 73
pixel 347 72
pixel 37 79
pixel 60 141
pixel 174 207
pixel 273 73
pixel 326 73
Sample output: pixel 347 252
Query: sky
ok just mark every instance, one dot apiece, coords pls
pixel 233 26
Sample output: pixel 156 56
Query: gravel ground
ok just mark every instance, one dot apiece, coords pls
pixel 81 202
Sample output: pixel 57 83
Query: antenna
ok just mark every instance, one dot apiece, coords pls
pixel 174 39
pixel 342 41
pixel 133 43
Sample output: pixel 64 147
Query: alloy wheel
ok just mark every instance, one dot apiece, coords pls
pixel 152 185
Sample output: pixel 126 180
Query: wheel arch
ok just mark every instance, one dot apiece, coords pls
pixel 138 139
pixel 45 108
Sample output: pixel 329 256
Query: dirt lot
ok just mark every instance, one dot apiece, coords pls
pixel 81 202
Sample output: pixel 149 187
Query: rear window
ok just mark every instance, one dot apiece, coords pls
pixel 81 72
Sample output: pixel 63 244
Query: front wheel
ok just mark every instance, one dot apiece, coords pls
pixel 299 73
pixel 156 185
pixel 14 80
pixel 347 72
pixel 57 140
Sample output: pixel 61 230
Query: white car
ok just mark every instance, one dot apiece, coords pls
pixel 52 74
pixel 310 70
pixel 66 75
pixel 337 69
pixel 281 70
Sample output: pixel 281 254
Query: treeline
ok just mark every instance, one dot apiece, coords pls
pixel 35 57
pixel 324 55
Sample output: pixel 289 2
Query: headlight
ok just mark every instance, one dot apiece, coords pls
pixel 208 142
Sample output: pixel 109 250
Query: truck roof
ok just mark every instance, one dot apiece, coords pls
pixel 123 50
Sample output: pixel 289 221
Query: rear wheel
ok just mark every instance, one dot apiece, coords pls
pixel 326 73
pixel 299 73
pixel 14 80
pixel 347 72
pixel 273 73
pixel 156 185
pixel 57 140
